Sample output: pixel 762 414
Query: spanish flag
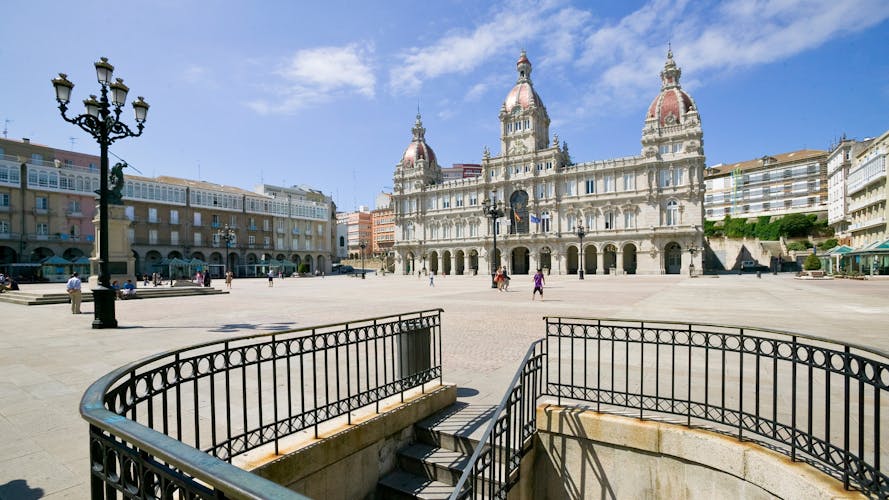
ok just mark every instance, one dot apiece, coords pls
pixel 515 215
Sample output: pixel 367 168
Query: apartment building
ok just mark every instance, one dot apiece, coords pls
pixel 47 208
pixel 868 195
pixel 773 185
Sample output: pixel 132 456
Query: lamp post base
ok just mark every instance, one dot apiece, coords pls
pixel 580 274
pixel 493 281
pixel 103 305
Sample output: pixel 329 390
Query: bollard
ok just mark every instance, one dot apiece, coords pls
pixel 759 274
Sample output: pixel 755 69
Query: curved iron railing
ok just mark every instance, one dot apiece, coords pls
pixel 492 470
pixel 813 399
pixel 169 426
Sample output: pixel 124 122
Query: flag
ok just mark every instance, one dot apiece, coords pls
pixel 534 219
pixel 515 214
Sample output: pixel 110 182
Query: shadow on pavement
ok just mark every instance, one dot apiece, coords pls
pixel 19 490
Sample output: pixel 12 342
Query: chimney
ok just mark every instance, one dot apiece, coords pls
pixel 26 140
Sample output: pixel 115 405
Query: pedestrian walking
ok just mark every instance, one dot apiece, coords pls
pixel 73 287
pixel 506 279
pixel 228 279
pixel 207 279
pixel 539 281
pixel 271 278
pixel 498 279
pixel 432 279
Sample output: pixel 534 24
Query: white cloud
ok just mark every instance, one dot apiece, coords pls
pixel 313 76
pixel 515 24
pixel 710 40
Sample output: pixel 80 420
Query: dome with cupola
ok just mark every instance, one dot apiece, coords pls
pixel 523 93
pixel 672 106
pixel 418 149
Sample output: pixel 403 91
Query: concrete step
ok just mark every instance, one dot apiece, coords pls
pixel 37 298
pixel 437 464
pixel 432 465
pixel 401 485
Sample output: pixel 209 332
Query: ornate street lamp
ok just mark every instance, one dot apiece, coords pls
pixel 362 245
pixel 692 250
pixel 227 234
pixel 102 121
pixel 494 211
pixel 580 234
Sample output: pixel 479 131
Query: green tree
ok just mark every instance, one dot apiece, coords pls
pixel 766 229
pixel 828 244
pixel 711 229
pixel 812 263
pixel 303 268
pixel 796 225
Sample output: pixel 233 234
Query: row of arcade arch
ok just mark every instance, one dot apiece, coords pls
pixel 518 260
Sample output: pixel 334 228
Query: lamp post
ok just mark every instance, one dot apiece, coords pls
pixel 692 250
pixel 580 234
pixel 494 210
pixel 362 245
pixel 102 121
pixel 227 234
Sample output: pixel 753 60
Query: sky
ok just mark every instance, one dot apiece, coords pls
pixel 325 94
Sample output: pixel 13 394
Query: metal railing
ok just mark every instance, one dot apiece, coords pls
pixel 169 426
pixel 812 399
pixel 492 470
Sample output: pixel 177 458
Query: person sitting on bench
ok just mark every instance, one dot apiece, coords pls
pixel 129 290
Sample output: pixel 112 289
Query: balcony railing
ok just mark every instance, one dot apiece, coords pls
pixel 170 426
pixel 876 221
pixel 812 399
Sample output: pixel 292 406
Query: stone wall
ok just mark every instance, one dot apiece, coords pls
pixel 584 454
pixel 348 462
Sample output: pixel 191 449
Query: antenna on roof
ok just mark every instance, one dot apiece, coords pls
pixel 6 122
pixel 199 169
pixel 72 140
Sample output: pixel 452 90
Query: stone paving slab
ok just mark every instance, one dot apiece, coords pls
pixel 48 356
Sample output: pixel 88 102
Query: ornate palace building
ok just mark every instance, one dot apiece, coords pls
pixel 640 214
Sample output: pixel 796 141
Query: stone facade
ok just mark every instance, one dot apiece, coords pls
pixel 641 214
pixel 48 203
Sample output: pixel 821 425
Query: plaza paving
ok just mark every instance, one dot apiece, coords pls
pixel 48 356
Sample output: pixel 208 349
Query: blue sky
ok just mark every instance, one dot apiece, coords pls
pixel 325 93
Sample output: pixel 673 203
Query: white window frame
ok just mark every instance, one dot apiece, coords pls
pixel 671 213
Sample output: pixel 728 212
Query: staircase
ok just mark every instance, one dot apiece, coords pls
pixel 37 298
pixel 431 467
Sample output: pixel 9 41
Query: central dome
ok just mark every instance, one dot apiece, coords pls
pixel 523 93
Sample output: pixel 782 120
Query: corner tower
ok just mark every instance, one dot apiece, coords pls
pixel 418 166
pixel 524 122
pixel 672 124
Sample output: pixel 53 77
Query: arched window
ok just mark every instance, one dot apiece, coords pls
pixel 342 241
pixel 672 213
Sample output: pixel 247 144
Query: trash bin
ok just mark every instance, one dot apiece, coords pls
pixel 414 348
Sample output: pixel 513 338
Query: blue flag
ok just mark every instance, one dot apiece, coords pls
pixel 534 219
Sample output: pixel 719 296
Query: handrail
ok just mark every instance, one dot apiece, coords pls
pixel 487 444
pixel 813 399
pixel 862 347
pixel 143 440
